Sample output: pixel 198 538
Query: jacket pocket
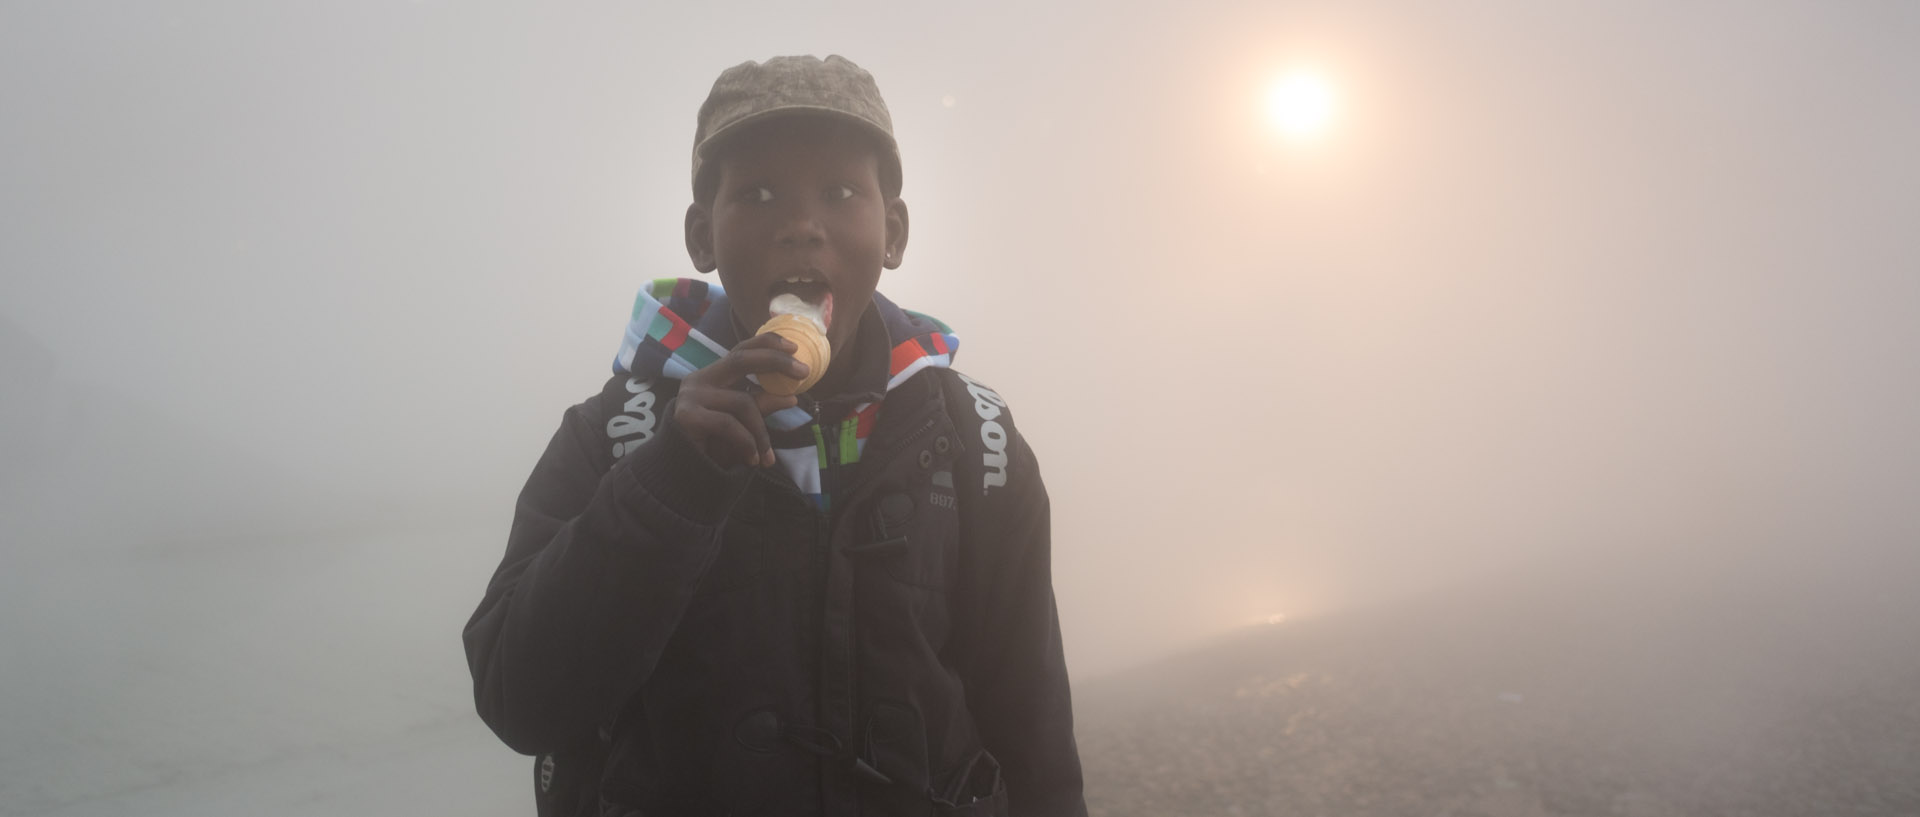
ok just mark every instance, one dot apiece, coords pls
pixel 975 790
pixel 913 540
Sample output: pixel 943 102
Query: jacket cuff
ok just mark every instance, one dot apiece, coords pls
pixel 677 475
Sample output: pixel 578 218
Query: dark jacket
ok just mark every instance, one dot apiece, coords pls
pixel 735 651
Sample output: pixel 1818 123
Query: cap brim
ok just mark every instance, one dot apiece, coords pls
pixel 708 147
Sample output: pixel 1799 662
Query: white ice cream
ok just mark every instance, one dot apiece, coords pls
pixel 790 304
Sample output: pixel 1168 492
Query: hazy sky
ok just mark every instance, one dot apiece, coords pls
pixel 1634 286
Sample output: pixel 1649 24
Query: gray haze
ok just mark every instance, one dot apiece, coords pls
pixel 292 296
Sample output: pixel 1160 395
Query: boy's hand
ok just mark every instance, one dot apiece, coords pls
pixel 729 423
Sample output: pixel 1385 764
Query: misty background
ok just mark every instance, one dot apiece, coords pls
pixel 1605 314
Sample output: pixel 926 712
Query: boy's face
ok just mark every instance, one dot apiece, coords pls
pixel 799 209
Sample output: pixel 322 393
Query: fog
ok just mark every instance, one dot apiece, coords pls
pixel 1603 309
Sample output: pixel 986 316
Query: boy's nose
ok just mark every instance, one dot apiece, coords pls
pixel 799 228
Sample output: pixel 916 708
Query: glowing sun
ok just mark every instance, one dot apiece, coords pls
pixel 1301 105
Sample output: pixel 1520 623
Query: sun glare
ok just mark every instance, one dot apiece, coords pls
pixel 1301 105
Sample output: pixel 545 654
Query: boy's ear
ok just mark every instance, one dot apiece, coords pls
pixel 700 238
pixel 896 233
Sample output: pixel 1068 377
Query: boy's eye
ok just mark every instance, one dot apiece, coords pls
pixel 839 192
pixel 760 194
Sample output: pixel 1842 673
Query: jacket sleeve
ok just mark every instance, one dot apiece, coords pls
pixel 1014 666
pixel 601 562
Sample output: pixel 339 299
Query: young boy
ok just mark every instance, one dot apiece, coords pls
pixel 719 600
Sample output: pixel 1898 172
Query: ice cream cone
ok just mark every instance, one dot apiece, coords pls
pixel 806 333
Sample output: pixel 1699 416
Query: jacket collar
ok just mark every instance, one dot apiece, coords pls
pixel 680 325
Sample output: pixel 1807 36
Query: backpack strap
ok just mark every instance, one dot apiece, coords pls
pixel 977 412
pixel 566 782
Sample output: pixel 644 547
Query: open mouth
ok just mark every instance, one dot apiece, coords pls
pixel 811 290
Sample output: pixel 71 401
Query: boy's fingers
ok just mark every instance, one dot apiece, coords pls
pixel 759 361
pixel 723 430
pixel 769 402
pixel 747 411
pixel 748 431
pixel 761 353
pixel 709 431
pixel 767 341
pixel 742 361
pixel 729 422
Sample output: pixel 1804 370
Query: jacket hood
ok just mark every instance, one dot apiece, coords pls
pixel 679 325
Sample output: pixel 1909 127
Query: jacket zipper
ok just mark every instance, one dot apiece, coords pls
pixel 854 492
pixel 823 553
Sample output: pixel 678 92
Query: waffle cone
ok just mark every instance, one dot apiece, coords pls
pixel 813 350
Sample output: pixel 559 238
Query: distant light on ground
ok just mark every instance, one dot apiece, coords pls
pixel 1301 105
pixel 1276 618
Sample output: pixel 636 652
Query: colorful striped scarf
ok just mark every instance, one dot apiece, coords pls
pixel 680 325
